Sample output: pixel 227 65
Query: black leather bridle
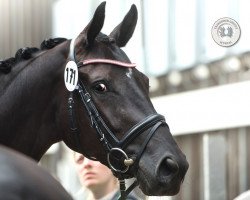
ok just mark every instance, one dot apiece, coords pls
pixel 117 158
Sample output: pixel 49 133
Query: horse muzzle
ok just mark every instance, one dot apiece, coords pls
pixel 162 178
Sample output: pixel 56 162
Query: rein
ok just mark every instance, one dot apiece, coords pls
pixel 118 160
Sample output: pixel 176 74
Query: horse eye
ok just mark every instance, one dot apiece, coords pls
pixel 101 87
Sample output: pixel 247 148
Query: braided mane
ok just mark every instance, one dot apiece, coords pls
pixel 28 52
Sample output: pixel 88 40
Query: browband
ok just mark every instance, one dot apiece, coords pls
pixel 106 61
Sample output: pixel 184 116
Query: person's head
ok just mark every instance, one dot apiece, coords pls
pixel 94 175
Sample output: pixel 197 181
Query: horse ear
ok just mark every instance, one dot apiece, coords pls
pixel 95 25
pixel 124 31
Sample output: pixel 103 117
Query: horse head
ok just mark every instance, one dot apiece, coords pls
pixel 112 112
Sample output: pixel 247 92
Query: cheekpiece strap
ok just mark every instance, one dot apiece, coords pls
pixel 72 50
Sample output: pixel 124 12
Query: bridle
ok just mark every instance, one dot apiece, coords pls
pixel 118 160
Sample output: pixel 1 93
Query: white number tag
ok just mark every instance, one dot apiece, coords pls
pixel 71 75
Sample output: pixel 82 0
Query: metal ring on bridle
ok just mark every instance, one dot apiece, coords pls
pixel 125 156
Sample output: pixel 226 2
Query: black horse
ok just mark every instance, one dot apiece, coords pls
pixel 107 114
pixel 21 179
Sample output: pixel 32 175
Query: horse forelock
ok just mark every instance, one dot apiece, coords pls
pixel 104 47
pixel 101 37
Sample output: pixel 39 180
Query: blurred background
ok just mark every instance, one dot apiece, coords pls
pixel 203 89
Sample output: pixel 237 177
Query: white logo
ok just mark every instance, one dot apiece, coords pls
pixel 71 75
pixel 226 32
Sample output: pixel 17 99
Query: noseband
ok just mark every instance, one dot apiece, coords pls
pixel 118 160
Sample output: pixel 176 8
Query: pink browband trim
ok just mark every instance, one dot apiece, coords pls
pixel 108 61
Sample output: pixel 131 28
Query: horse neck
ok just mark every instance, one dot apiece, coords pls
pixel 30 102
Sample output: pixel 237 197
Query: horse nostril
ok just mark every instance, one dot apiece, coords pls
pixel 172 165
pixel 168 167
